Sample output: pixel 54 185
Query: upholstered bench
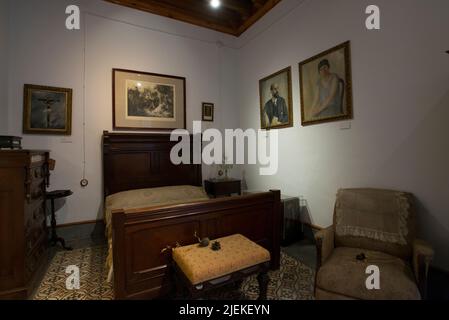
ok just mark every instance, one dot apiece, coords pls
pixel 200 269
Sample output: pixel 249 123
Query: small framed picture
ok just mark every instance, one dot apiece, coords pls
pixel 208 111
pixel 47 110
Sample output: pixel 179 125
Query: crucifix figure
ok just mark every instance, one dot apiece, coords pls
pixel 48 102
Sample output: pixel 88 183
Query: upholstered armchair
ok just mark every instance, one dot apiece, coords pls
pixel 372 227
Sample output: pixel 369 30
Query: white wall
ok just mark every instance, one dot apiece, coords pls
pixel 399 135
pixel 4 19
pixel 45 53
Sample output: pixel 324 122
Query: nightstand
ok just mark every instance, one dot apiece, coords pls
pixel 291 222
pixel 217 188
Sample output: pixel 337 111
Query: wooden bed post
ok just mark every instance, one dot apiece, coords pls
pixel 118 240
pixel 276 241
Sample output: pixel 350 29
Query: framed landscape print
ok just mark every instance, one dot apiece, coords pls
pixel 325 81
pixel 47 110
pixel 276 107
pixel 148 101
pixel 208 111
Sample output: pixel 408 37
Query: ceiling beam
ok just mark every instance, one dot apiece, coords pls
pixel 243 7
pixel 168 11
pixel 270 4
pixel 234 17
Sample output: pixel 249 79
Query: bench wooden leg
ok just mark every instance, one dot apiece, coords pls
pixel 263 280
pixel 180 292
pixel 238 284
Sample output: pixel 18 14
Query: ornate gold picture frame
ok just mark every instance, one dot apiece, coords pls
pixel 326 86
pixel 148 101
pixel 276 104
pixel 47 110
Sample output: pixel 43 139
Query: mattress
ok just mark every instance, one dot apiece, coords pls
pixel 147 198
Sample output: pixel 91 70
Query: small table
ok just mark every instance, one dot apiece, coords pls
pixel 291 220
pixel 216 188
pixel 52 196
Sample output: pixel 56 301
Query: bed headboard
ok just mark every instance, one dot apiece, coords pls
pixel 142 160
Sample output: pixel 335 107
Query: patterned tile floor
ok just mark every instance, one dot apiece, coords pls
pixel 293 281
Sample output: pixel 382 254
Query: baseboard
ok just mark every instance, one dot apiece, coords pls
pixel 65 225
pixel 83 233
pixel 313 226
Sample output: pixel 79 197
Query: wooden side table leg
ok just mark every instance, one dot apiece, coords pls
pixel 62 241
pixel 54 237
pixel 263 280
pixel 179 290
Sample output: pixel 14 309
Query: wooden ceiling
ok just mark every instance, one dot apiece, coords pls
pixel 232 17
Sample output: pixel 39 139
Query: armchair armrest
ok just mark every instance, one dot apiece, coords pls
pixel 422 257
pixel 324 244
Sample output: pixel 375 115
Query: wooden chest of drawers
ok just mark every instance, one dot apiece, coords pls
pixel 23 229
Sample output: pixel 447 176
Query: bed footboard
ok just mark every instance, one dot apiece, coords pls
pixel 142 270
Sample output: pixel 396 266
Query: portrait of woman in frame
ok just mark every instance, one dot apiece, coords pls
pixel 326 86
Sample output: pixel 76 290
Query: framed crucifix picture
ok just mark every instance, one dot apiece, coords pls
pixel 47 110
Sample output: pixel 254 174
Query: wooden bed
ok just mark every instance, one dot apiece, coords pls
pixel 137 161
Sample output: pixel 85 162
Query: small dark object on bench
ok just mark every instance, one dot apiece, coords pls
pixel 204 242
pixel 216 246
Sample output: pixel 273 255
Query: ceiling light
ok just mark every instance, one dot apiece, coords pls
pixel 215 3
